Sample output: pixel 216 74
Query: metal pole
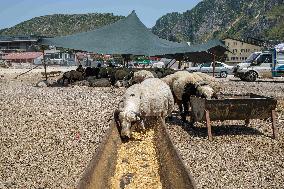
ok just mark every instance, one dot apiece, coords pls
pixel 274 62
pixel 274 128
pixel 214 65
pixel 209 129
pixel 44 64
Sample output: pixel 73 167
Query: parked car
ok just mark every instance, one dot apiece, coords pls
pixel 158 65
pixel 221 68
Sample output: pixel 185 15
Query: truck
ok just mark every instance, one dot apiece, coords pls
pixel 261 64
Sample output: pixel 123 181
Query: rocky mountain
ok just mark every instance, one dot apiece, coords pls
pixel 61 24
pixel 262 19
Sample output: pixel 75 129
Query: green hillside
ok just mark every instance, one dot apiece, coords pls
pixel 61 24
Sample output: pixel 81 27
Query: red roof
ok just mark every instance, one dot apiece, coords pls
pixel 22 55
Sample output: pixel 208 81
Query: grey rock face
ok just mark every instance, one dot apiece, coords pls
pixel 220 18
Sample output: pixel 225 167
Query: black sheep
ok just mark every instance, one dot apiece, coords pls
pixel 92 72
pixel 72 76
pixel 80 69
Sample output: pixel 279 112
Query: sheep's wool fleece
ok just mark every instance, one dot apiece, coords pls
pixel 181 82
pixel 156 98
pixel 142 75
pixel 169 79
pixel 131 98
pixel 150 98
pixel 210 80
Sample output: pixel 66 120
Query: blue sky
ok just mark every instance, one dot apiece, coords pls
pixel 13 12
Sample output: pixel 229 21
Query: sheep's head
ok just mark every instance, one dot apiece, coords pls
pixel 205 91
pixel 126 119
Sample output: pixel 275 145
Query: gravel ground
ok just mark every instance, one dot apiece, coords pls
pixel 239 156
pixel 48 135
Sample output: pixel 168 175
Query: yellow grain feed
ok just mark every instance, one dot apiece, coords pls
pixel 137 165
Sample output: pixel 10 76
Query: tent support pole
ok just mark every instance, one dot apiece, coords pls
pixel 214 58
pixel 44 64
pixel 179 58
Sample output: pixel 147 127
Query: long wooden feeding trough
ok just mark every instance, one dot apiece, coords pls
pixel 234 107
pixel 172 172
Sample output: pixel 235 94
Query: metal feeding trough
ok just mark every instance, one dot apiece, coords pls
pixel 101 168
pixel 242 107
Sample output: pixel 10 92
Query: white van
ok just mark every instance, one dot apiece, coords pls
pixel 257 65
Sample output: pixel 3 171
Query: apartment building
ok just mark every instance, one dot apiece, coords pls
pixel 240 50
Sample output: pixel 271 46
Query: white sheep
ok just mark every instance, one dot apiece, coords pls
pixel 151 98
pixel 169 79
pixel 210 80
pixel 140 76
pixel 197 85
pixel 184 84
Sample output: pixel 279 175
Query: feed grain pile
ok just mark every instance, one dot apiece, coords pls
pixel 48 135
pixel 238 157
pixel 137 165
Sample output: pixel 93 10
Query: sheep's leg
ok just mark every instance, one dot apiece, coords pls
pixel 186 109
pixel 183 111
pixel 180 107
pixel 63 80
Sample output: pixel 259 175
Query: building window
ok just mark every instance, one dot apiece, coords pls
pixel 232 58
pixel 242 50
pixel 235 43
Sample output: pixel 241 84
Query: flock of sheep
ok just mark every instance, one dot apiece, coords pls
pixel 111 76
pixel 150 93
pixel 154 97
